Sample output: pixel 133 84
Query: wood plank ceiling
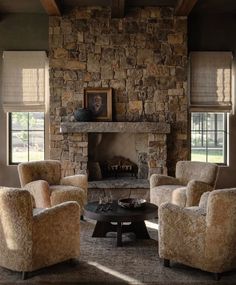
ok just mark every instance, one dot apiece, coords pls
pixel 182 7
pixel 58 7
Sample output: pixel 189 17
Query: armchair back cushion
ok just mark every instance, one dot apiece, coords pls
pixel 16 227
pixel 49 170
pixel 195 170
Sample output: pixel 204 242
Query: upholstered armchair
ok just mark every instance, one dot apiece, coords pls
pixel 192 179
pixel 31 241
pixel 203 236
pixel 43 180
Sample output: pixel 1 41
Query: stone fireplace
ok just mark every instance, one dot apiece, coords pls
pixel 146 49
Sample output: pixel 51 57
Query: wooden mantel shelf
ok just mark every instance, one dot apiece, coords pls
pixel 115 127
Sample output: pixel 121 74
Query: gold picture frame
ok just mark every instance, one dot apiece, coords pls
pixel 99 102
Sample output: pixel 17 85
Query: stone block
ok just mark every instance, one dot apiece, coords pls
pixel 80 37
pixel 120 74
pixel 55 153
pixel 181 74
pixel 106 72
pixel 56 30
pixel 82 13
pixel 178 92
pixel 61 111
pixel 117 84
pixel 56 41
pixel 67 96
pixel 135 106
pixel 152 163
pixel 149 108
pixel 54 21
pixel 70 75
pixel 102 40
pixel 66 27
pixel 157 70
pixel 155 12
pixel 58 73
pixel 176 38
pixel 97 49
pixel 60 53
pixel 145 56
pixel 160 106
pixel 93 64
pixel 180 24
pixel 74 64
pixel 120 108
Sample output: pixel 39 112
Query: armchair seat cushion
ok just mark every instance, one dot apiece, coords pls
pixel 63 193
pixel 175 194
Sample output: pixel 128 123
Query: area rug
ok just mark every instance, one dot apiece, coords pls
pixel 101 262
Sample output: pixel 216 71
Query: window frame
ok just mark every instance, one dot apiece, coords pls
pixel 225 131
pixel 10 130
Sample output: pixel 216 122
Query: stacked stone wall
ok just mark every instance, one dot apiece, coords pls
pixel 145 51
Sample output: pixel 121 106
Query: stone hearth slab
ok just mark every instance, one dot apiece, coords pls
pixel 121 183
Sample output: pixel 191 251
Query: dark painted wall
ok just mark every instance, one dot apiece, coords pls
pixel 212 32
pixel 217 32
pixel 23 32
pixel 18 32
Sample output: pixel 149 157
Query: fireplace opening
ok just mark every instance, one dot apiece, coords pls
pixel 119 166
pixel 117 155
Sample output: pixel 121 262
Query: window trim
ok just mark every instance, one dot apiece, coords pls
pixel 9 136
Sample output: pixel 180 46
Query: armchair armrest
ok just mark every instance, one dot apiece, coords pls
pixel 80 180
pixel 39 189
pixel 65 209
pixel 204 200
pixel 57 227
pixel 159 179
pixel 194 191
pixel 177 227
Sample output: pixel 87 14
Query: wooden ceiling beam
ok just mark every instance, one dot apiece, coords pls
pixel 117 8
pixel 52 7
pixel 184 7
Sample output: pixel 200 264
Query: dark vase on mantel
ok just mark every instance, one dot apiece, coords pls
pixel 83 115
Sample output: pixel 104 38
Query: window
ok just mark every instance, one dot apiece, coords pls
pixel 209 137
pixel 24 97
pixel 26 136
pixel 210 103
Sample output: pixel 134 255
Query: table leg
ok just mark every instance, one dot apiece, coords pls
pixel 139 228
pixel 102 228
pixel 119 234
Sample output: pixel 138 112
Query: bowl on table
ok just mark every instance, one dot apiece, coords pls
pixel 131 203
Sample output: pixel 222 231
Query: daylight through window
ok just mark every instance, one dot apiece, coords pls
pixel 26 136
pixel 209 137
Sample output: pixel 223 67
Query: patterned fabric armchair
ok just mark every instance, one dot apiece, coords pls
pixel 192 180
pixel 203 236
pixel 43 180
pixel 31 241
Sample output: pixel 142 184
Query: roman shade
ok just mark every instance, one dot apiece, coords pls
pixel 210 81
pixel 24 80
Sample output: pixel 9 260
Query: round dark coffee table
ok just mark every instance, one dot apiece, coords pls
pixel 116 214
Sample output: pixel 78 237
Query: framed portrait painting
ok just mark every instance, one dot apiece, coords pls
pixel 99 102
